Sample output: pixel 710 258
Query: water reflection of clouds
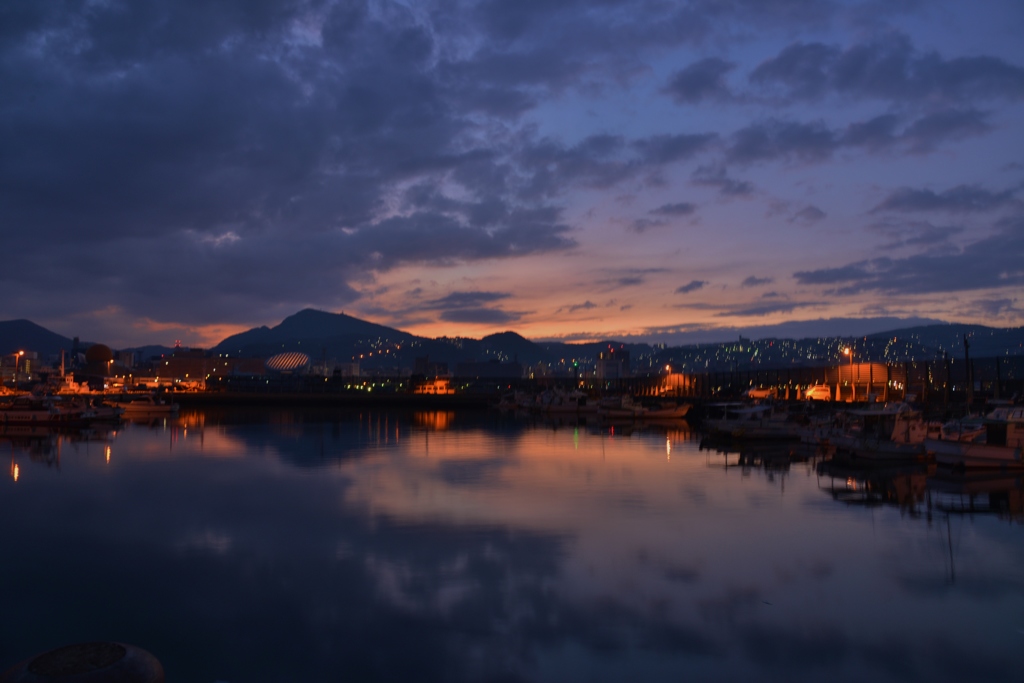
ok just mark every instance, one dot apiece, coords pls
pixel 475 554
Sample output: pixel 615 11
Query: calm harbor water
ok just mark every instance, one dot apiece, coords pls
pixel 274 545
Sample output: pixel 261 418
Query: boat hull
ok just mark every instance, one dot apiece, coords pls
pixel 975 455
pixel 880 450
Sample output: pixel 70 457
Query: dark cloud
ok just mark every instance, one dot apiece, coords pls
pixel 467 299
pixel 259 163
pixel 629 277
pixel 471 307
pixel 917 234
pixel 808 214
pixel 801 68
pixel 692 286
pixel 888 67
pixel 795 141
pixel 641 225
pixel 924 134
pixel 754 281
pixel 482 316
pixel 765 308
pixel 718 177
pixel 874 134
pixel 776 139
pixel 831 276
pixel 764 13
pixel 440 238
pixel 959 199
pixel 282 154
pixel 993 262
pixel 601 161
pixel 679 209
pixel 595 162
pixel 701 81
pixel 667 149
pixel 997 307
pixel 585 306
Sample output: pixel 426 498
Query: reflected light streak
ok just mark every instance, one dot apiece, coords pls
pixel 106 452
pixel 668 449
pixel 438 421
pixel 15 471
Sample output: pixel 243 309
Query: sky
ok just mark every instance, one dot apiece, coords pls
pixel 570 170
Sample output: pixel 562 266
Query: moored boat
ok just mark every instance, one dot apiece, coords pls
pixel 48 410
pixel 146 405
pixel 742 421
pixel 620 407
pixel 667 411
pixel 1002 445
pixel 896 433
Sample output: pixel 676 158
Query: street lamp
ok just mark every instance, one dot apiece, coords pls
pixel 17 357
pixel 853 383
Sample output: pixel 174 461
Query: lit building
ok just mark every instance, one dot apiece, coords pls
pixel 613 364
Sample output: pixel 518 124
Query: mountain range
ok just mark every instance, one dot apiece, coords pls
pixel 25 335
pixel 340 337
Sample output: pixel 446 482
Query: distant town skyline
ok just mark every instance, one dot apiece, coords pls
pixel 178 170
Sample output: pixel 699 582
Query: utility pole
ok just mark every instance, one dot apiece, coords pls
pixel 970 375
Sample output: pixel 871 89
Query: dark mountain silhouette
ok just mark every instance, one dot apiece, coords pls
pixel 146 353
pixel 25 335
pixel 340 337
pixel 512 346
pixel 949 338
pixel 308 325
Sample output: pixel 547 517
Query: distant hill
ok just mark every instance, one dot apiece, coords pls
pixel 795 329
pixel 949 338
pixel 144 353
pixel 307 325
pixel 343 337
pixel 340 337
pixel 25 335
pixel 509 346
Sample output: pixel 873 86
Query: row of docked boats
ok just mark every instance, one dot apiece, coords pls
pixel 889 433
pixel 614 407
pixel 74 411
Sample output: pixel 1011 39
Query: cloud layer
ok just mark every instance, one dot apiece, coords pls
pixel 228 162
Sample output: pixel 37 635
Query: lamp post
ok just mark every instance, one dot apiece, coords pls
pixel 17 357
pixel 853 383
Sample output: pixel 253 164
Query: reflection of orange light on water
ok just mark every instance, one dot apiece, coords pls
pixel 668 449
pixel 15 472
pixel 851 483
pixel 193 420
pixel 106 452
pixel 437 420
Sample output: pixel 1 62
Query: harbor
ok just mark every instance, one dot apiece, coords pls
pixel 429 525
